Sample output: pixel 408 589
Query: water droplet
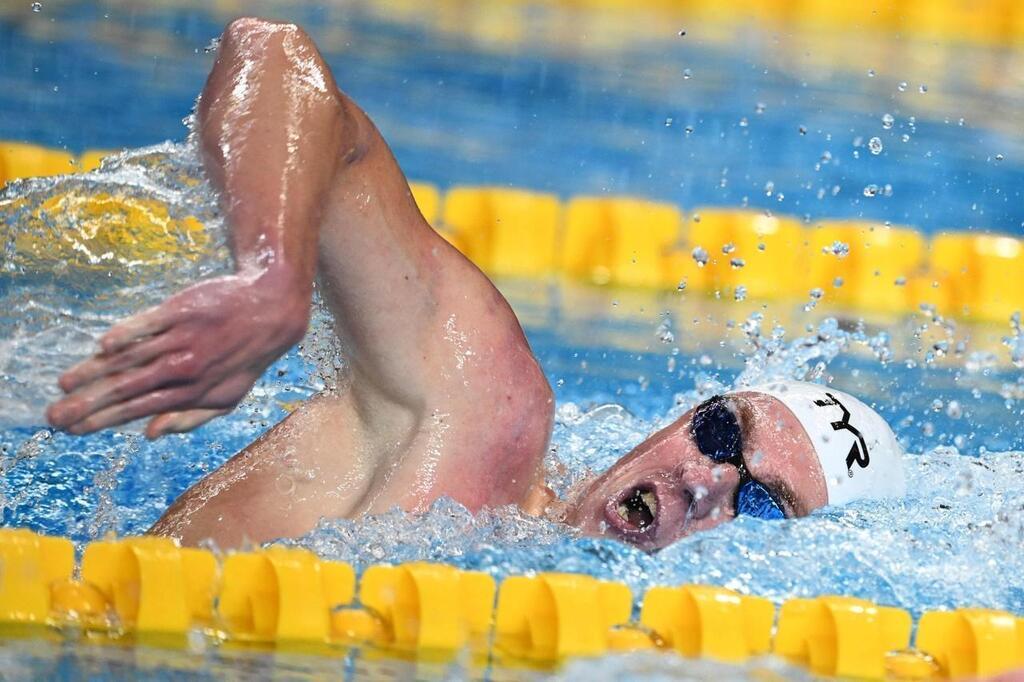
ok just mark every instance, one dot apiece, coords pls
pixel 762 246
pixel 688 130
pixel 737 263
pixel 664 332
pixel 802 130
pixel 900 281
pixel 887 121
pixel 37 7
pixel 871 73
pixel 923 88
pixel 875 146
pixel 682 32
pixel 815 295
pixel 668 122
pixel 728 248
pixel 687 74
pixel 999 157
pixel 760 107
pixel 743 122
pixel 902 87
pixel 837 282
pixel 905 137
pixel 871 190
pixel 1016 342
pixel 681 286
pixel 285 484
pixel 837 248
pixel 34 446
pixel 953 410
pixel 700 256
pixel 740 293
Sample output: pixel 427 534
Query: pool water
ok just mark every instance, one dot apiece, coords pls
pixel 570 119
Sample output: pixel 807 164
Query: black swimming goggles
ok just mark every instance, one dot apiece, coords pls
pixel 716 431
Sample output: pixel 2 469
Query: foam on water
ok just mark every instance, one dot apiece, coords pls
pixel 63 281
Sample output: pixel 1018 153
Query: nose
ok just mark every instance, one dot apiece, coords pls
pixel 712 487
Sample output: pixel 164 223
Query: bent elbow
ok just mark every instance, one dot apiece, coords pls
pixel 243 28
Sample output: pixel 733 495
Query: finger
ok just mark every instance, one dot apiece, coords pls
pixel 229 392
pixel 180 422
pixel 147 323
pixel 100 366
pixel 220 400
pixel 116 388
pixel 157 402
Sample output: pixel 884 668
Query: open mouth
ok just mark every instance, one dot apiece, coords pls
pixel 636 511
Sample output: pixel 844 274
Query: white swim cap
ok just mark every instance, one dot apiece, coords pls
pixel 859 453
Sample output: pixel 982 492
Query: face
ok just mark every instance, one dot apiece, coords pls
pixel 667 487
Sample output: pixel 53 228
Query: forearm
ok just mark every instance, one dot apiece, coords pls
pixel 273 129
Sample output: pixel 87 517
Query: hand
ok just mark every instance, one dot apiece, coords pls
pixel 187 360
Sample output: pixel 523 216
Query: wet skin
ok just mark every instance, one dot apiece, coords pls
pixel 440 396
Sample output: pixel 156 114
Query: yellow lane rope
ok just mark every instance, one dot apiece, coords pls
pixel 146 589
pixel 622 241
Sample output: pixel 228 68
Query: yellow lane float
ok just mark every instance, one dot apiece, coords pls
pixel 841 636
pixel 554 616
pixel 972 642
pixel 429 607
pixel 21 160
pixel 621 240
pixel 504 231
pixel 700 621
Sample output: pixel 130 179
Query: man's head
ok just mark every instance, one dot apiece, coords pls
pixel 783 449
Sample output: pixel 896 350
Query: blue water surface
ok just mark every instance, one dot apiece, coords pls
pixel 566 117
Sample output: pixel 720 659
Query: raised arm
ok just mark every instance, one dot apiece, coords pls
pixel 273 134
pixel 307 185
pixel 442 395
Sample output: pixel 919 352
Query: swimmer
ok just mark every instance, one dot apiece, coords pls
pixel 441 394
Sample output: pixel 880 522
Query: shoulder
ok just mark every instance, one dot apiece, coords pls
pixel 503 409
